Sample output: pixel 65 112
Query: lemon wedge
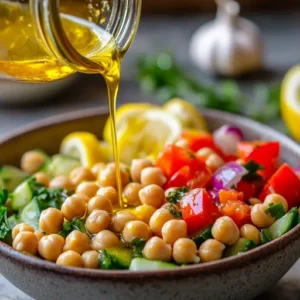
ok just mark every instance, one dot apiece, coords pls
pixel 290 101
pixel 146 134
pixel 123 114
pixel 187 113
pixel 83 145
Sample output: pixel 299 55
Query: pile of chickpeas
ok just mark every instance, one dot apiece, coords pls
pixel 94 200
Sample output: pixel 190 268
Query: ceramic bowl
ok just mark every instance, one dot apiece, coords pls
pixel 241 277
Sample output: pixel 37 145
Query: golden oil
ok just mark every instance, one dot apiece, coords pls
pixel 24 57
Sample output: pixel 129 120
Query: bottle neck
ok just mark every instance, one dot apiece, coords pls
pixel 121 22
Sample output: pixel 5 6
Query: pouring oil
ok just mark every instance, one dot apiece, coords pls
pixel 23 57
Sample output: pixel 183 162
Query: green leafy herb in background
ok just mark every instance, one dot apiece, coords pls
pixel 161 76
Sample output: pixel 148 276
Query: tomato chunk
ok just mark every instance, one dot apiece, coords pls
pixel 225 195
pixel 198 209
pixel 263 153
pixel 190 178
pixel 249 189
pixel 173 158
pixel 285 183
pixel 237 210
pixel 197 140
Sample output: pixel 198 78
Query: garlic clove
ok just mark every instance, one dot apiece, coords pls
pixel 229 45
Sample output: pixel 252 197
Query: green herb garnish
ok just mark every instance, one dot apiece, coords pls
pixel 3 196
pixel 5 230
pixel 275 210
pixel 175 195
pixel 252 167
pixel 75 224
pixel 138 246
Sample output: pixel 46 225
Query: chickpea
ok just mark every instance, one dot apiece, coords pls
pixel 251 233
pixel 100 203
pixel 182 143
pixel 275 199
pixel 97 168
pixel 20 228
pixel 211 250
pixel 81 174
pixel 77 241
pixel 109 193
pixel 174 230
pixel 158 220
pixel 119 220
pixel 51 246
pixel 205 152
pixel 87 188
pixel 38 234
pixel 240 161
pixel 137 166
pixel 41 177
pixel 51 220
pixel 31 161
pixel 214 161
pixel 152 195
pixel 225 231
pixel 185 251
pixel 90 259
pixel 253 201
pixel 70 259
pixel 74 206
pixel 136 229
pixel 97 221
pixel 145 212
pixel 131 193
pixel 108 176
pixel 105 239
pixel 157 249
pixel 153 175
pixel 259 218
pixel 26 241
pixel 62 182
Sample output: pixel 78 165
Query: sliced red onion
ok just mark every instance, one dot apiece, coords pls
pixel 228 176
pixel 215 196
pixel 227 137
pixel 297 171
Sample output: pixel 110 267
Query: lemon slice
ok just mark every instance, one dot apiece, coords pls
pixel 187 113
pixel 83 145
pixel 146 134
pixel 290 101
pixel 123 114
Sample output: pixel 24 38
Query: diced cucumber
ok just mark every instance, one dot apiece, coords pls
pixel 115 258
pixel 242 245
pixel 281 226
pixel 12 221
pixel 30 214
pixel 60 165
pixel 143 264
pixel 22 195
pixel 11 177
pixel 200 237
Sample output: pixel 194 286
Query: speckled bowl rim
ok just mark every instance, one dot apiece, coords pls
pixel 126 276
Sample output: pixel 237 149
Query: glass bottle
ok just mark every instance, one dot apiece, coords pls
pixel 47 40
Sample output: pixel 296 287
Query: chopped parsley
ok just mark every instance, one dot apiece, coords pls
pixel 176 195
pixel 138 245
pixel 252 167
pixel 275 210
pixel 5 230
pixel 173 210
pixel 3 196
pixel 75 224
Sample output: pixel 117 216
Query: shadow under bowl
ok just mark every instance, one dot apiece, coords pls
pixel 240 277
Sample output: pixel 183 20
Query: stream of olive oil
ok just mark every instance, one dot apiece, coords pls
pixel 23 57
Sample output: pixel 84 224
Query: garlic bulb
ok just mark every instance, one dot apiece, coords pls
pixel 229 45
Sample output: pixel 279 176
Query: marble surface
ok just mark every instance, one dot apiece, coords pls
pixel 281 33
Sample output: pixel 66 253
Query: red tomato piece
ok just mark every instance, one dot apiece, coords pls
pixel 198 209
pixel 285 183
pixel 238 211
pixel 265 154
pixel 173 158
pixel 249 189
pixel 191 178
pixel 225 195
